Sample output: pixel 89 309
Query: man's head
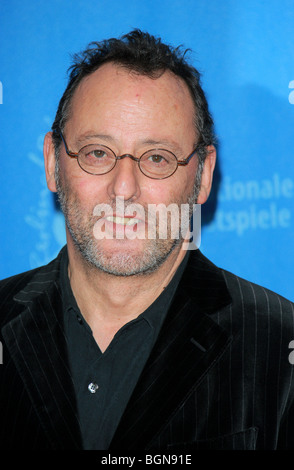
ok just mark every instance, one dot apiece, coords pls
pixel 146 55
pixel 130 95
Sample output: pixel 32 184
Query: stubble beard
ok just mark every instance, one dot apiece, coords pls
pixel 123 262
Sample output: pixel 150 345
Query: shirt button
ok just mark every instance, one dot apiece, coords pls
pixel 93 387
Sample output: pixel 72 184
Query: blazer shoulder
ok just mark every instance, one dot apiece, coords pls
pixel 13 284
pixel 250 297
pixel 34 280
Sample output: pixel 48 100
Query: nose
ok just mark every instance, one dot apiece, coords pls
pixel 125 178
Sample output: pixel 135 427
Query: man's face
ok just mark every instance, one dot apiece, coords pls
pixel 130 114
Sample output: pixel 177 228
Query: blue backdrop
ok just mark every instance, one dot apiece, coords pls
pixel 245 52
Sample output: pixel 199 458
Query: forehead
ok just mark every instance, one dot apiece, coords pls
pixel 115 94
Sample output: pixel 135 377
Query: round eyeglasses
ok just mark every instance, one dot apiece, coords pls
pixel 97 159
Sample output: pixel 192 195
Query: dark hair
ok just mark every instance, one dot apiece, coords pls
pixel 146 55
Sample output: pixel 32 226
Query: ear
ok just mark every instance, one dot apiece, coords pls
pixel 49 158
pixel 207 175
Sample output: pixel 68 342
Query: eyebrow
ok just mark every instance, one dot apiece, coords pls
pixel 80 141
pixel 84 137
pixel 162 142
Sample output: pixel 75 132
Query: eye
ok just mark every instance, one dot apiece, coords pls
pixel 96 156
pixel 97 153
pixel 157 159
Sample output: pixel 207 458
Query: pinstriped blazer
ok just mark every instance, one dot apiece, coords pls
pixel 218 377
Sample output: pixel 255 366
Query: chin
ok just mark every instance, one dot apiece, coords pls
pixel 128 257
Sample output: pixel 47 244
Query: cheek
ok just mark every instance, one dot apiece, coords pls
pixel 84 187
pixel 188 183
pixel 90 190
pixel 182 183
pixel 172 190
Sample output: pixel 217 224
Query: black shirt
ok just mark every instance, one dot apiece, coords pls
pixel 104 382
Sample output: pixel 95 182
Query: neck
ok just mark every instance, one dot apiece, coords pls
pixel 110 300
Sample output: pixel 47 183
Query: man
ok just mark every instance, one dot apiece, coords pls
pixel 128 341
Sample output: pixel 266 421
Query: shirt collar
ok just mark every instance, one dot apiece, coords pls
pixel 68 298
pixel 154 314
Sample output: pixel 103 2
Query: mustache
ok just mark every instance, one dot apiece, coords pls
pixel 121 208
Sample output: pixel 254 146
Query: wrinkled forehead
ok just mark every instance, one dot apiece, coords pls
pixel 110 80
pixel 113 91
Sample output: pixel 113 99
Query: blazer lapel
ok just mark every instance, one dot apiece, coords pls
pixel 189 343
pixel 37 346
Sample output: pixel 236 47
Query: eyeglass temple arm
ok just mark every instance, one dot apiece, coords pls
pixel 69 153
pixel 185 162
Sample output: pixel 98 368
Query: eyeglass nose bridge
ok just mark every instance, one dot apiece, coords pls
pixel 121 157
